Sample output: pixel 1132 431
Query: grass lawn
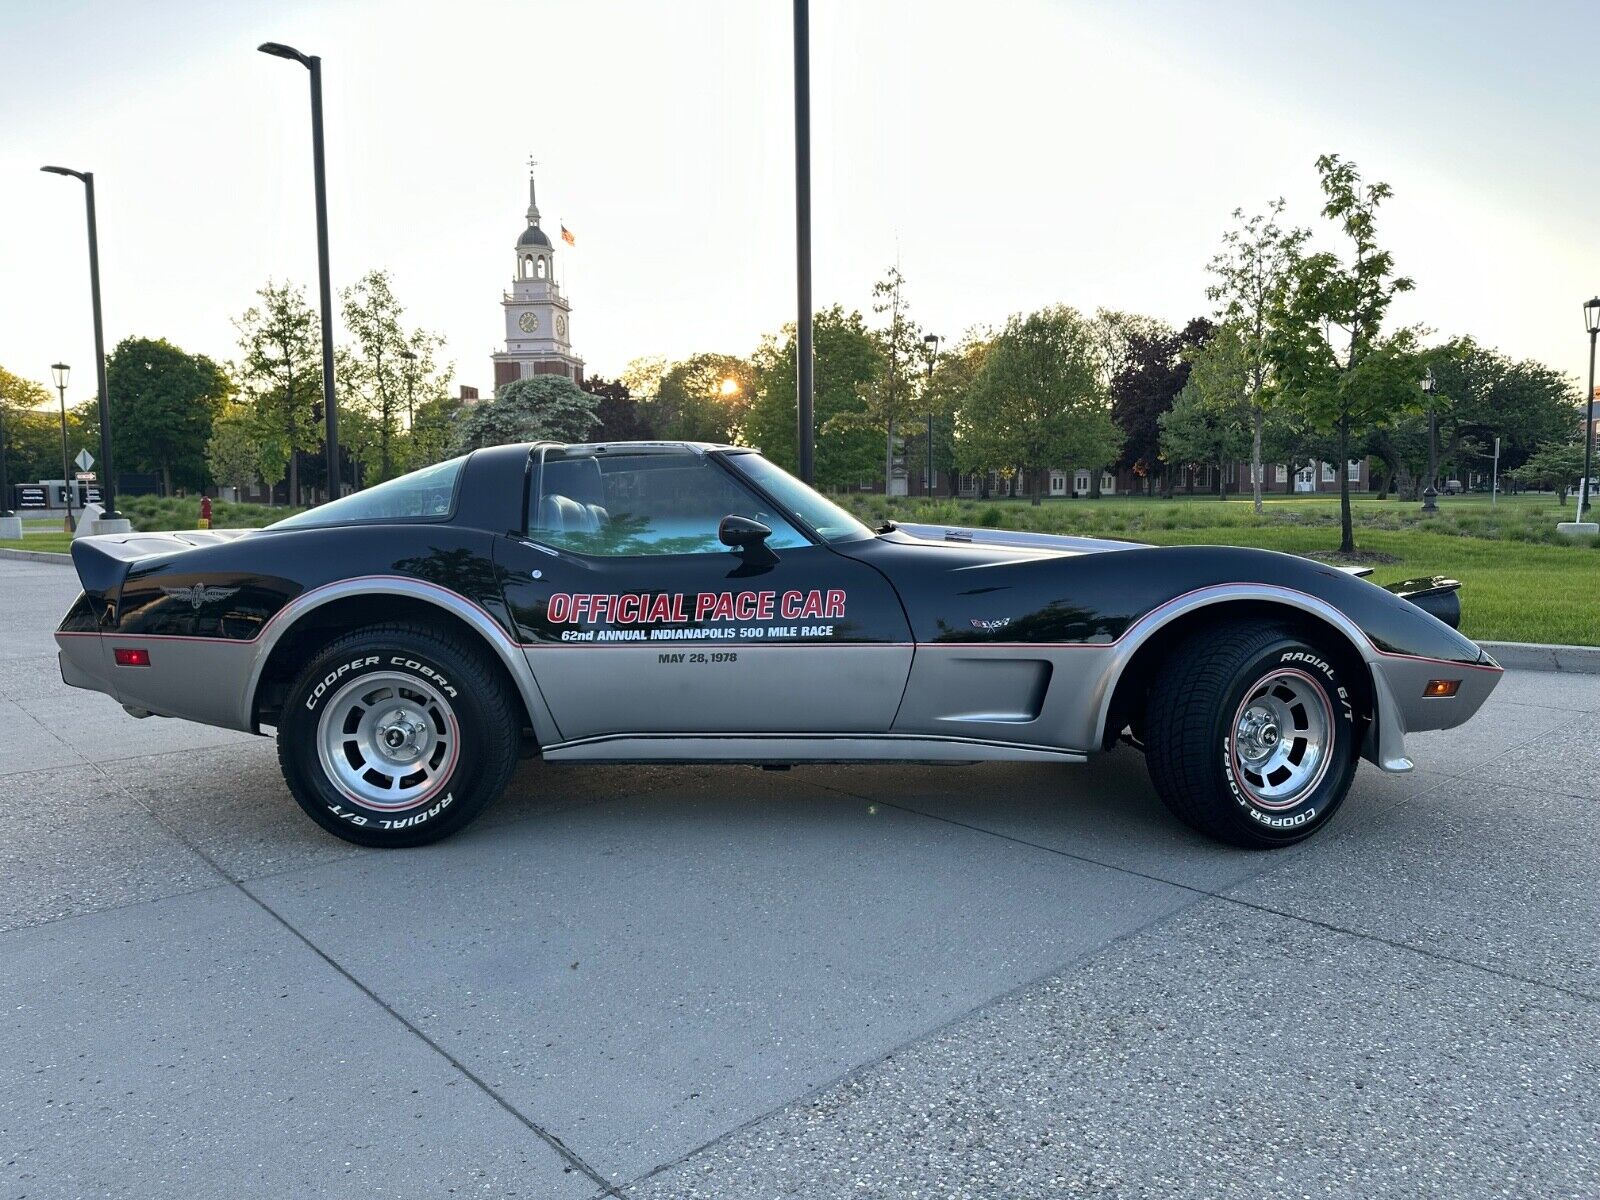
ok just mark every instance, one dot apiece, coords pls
pixel 1520 583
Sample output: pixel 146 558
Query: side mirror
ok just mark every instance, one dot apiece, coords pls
pixel 748 537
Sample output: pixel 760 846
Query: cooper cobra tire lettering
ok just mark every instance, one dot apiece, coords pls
pixel 468 711
pixel 1284 701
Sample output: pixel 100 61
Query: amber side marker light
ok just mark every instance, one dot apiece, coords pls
pixel 126 657
pixel 1442 687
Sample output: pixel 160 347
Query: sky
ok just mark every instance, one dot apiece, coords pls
pixel 1007 155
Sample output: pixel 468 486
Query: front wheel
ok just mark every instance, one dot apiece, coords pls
pixel 397 736
pixel 1250 735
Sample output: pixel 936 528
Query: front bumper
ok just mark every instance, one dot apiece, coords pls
pixel 1399 686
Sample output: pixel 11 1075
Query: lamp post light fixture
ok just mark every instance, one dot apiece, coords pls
pixel 1430 494
pixel 930 352
pixel 5 484
pixel 111 520
pixel 1591 322
pixel 330 407
pixel 59 373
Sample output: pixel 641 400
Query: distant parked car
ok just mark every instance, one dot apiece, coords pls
pixel 1452 487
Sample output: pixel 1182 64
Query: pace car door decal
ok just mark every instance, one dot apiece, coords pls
pixel 745 615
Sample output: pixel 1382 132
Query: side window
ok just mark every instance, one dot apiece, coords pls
pixel 614 505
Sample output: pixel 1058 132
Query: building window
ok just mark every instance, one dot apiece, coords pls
pixel 1329 475
pixel 1353 469
pixel 1058 483
pixel 1281 473
pixel 527 267
pixel 539 268
pixel 1108 483
pixel 968 485
pixel 1080 483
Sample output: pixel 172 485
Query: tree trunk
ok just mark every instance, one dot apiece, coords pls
pixel 1039 474
pixel 1347 533
pixel 1257 474
pixel 1166 481
pixel 294 478
pixel 166 479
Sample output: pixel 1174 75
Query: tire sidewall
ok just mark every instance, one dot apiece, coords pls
pixel 327 676
pixel 1317 806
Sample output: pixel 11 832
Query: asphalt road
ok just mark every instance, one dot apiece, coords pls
pixel 1007 981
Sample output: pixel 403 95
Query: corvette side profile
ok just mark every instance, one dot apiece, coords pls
pixel 680 602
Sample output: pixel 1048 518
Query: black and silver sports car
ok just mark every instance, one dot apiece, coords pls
pixel 673 602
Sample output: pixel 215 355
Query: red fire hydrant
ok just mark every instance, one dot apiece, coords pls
pixel 205 512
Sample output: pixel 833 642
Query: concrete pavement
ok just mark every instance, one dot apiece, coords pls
pixel 716 982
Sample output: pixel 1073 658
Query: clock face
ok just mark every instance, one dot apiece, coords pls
pixel 561 327
pixel 528 321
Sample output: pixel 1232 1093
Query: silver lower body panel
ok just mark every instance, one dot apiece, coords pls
pixel 789 748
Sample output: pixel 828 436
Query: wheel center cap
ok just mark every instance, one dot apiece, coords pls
pixel 402 735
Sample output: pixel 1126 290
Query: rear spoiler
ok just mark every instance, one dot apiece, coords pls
pixel 102 562
pixel 1436 596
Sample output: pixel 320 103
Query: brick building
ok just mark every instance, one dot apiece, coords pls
pixel 538 316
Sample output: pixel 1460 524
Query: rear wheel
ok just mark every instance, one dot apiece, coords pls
pixel 397 736
pixel 1250 734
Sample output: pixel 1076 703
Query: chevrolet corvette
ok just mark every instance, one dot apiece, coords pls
pixel 680 602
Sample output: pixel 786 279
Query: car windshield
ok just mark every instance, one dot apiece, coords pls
pixel 425 495
pixel 831 523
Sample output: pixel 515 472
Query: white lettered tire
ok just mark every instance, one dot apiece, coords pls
pixel 1251 734
pixel 397 735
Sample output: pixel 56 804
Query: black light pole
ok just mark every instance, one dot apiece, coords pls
pixel 930 347
pixel 330 407
pixel 411 381
pixel 108 484
pixel 1591 321
pixel 1430 494
pixel 59 372
pixel 5 484
pixel 804 382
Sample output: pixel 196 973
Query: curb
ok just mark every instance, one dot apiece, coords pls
pixel 1516 656
pixel 1535 656
pixel 45 556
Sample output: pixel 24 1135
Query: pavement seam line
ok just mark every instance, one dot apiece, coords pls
pixel 569 1156
pixel 1499 973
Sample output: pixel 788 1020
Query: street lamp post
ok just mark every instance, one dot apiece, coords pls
pixel 1591 321
pixel 108 484
pixel 330 408
pixel 1430 494
pixel 59 372
pixel 930 351
pixel 804 381
pixel 5 484
pixel 411 380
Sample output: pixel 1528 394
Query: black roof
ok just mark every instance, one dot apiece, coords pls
pixel 533 236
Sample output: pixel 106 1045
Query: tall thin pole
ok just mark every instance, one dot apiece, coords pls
pixel 1588 435
pixel 108 486
pixel 5 484
pixel 330 405
pixel 66 479
pixel 804 381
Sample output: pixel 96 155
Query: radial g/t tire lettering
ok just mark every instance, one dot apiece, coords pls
pixel 1251 734
pixel 398 735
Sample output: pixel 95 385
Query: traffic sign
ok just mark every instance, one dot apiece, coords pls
pixel 86 477
pixel 85 460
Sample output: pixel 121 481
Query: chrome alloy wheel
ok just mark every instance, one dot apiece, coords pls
pixel 388 741
pixel 1282 739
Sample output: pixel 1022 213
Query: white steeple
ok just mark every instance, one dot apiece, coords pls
pixel 538 317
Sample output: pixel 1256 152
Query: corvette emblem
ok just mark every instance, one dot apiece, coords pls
pixel 199 594
pixel 989 626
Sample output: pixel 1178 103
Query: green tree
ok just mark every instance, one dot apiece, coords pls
pixel 163 400
pixel 280 375
pixel 955 374
pixel 433 429
pixel 378 365
pixel 893 395
pixel 1557 465
pixel 1252 272
pixel 29 446
pixel 528 410
pixel 1210 422
pixel 1039 401
pixel 845 361
pixel 704 398
pixel 1328 344
pixel 232 455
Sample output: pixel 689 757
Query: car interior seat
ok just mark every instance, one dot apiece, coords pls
pixel 573 489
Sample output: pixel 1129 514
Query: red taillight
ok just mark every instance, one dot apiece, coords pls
pixel 127 656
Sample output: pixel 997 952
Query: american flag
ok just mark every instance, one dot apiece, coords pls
pixel 566 236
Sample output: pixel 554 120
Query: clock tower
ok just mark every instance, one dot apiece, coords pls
pixel 538 317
